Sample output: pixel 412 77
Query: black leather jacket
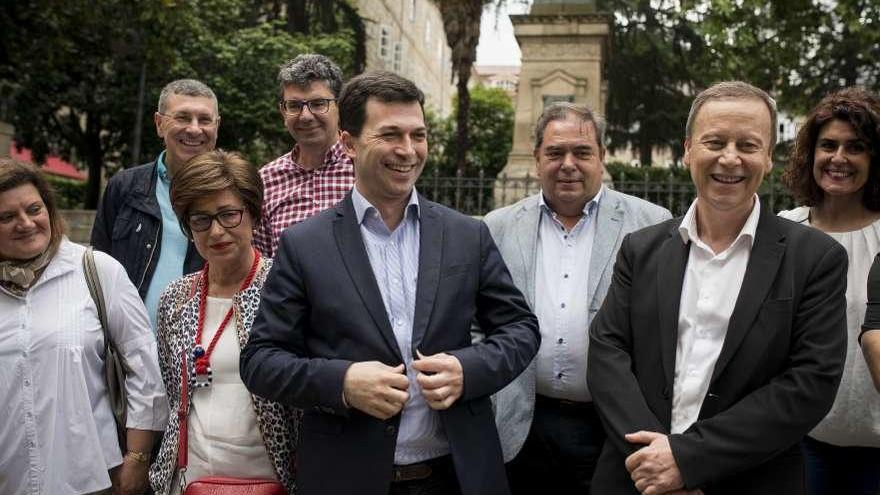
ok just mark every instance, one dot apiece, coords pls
pixel 128 226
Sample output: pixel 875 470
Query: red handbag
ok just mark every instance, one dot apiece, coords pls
pixel 222 485
pixel 213 485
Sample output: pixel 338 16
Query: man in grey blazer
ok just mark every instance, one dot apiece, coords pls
pixel 559 246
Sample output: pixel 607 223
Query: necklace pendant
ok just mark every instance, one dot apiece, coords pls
pixel 198 351
pixel 203 380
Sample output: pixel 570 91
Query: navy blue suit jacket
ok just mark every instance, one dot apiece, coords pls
pixel 322 310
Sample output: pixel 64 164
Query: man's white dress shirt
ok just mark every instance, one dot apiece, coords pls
pixel 562 304
pixel 711 286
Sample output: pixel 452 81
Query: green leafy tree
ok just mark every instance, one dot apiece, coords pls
pixel 490 127
pixel 461 23
pixel 798 49
pixel 87 90
pixel 649 71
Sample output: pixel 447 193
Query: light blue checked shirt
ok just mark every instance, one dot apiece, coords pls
pixel 394 257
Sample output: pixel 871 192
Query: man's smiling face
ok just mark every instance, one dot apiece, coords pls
pixel 188 126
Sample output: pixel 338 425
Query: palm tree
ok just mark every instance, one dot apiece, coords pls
pixel 461 22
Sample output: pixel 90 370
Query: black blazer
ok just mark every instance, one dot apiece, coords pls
pixel 322 310
pixel 775 378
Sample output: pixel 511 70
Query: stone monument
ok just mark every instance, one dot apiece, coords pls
pixel 564 45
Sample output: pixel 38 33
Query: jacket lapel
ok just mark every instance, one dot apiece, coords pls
pixel 670 278
pixel 430 255
pixel 354 256
pixel 526 235
pixel 764 262
pixel 609 222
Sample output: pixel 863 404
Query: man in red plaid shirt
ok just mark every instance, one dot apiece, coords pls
pixel 316 174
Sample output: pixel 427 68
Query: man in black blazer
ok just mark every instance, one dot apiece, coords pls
pixel 366 315
pixel 722 338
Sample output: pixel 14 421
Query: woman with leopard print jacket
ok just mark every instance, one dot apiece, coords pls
pixel 204 320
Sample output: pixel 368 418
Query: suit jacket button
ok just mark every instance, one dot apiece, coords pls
pixel 665 392
pixel 390 430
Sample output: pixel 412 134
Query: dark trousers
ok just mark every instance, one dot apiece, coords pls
pixel 833 470
pixel 561 450
pixel 441 481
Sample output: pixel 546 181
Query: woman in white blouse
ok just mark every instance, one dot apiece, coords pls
pixel 204 320
pixel 834 171
pixel 57 433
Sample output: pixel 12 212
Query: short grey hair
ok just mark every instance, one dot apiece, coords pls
pixel 564 110
pixel 733 90
pixel 308 68
pixel 186 87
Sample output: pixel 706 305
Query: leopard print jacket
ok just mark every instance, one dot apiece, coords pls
pixel 177 322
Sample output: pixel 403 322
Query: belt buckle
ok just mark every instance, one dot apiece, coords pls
pixel 411 472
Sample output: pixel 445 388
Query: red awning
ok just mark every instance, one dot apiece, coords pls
pixel 53 165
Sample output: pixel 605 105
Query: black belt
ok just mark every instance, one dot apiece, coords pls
pixel 419 470
pixel 564 405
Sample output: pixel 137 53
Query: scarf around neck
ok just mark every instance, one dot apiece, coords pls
pixel 18 276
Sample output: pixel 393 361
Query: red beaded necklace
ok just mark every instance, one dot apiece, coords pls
pixel 201 356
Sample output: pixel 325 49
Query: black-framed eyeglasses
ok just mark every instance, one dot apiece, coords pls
pixel 228 219
pixel 316 105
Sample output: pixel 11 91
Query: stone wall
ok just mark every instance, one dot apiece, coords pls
pixel 79 224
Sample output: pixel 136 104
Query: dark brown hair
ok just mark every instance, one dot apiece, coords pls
pixel 212 172
pixel 859 108
pixel 384 86
pixel 15 173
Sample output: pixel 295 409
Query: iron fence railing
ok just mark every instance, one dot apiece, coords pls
pixel 480 195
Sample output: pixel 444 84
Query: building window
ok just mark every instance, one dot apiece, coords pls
pixel 397 65
pixel 412 10
pixel 384 42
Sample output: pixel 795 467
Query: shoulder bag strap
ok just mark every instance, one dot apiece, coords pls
pixel 97 293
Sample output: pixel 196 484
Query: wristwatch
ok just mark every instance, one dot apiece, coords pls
pixel 138 456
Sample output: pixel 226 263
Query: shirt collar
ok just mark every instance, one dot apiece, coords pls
pixel 162 169
pixel 688 228
pixel 589 207
pixel 331 156
pixel 362 205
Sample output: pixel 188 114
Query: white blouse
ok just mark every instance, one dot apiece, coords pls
pixel 854 419
pixel 57 432
pixel 224 437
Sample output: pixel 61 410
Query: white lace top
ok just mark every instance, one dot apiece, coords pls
pixel 854 419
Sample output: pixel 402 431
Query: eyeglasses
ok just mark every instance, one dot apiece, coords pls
pixel 184 119
pixel 317 105
pixel 228 219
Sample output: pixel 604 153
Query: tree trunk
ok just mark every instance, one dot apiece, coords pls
pixel 645 149
pixel 138 131
pixel 461 23
pixel 356 23
pixel 464 109
pixel 297 16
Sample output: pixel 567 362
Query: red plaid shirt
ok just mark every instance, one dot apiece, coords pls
pixel 293 194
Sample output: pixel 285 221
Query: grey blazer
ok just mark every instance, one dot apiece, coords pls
pixel 515 230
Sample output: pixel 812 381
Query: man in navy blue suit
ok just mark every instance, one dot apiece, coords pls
pixel 366 315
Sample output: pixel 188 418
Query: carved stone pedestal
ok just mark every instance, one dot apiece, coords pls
pixel 563 46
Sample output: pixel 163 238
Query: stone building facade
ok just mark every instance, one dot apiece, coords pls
pixel 407 37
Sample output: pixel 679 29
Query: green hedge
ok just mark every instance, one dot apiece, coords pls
pixel 672 187
pixel 71 194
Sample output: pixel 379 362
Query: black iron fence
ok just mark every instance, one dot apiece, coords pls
pixel 480 195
